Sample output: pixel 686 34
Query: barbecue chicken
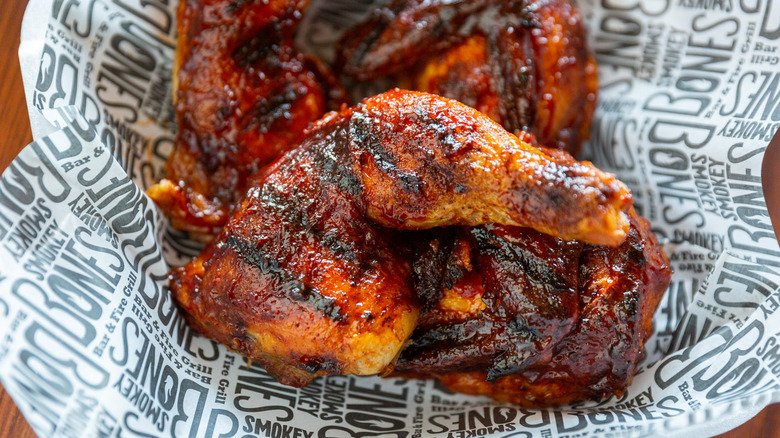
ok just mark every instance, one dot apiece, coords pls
pixel 525 63
pixel 531 319
pixel 244 94
pixel 312 275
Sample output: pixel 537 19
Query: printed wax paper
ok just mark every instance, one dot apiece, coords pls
pixel 91 343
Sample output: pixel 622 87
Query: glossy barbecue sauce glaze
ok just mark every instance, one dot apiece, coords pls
pixel 524 63
pixel 328 265
pixel 309 250
pixel 244 94
pixel 563 321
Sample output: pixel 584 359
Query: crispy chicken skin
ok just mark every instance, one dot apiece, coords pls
pixel 577 334
pixel 524 63
pixel 311 275
pixel 243 95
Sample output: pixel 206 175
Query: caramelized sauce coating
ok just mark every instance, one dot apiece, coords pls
pixel 527 283
pixel 244 94
pixel 311 275
pixel 428 161
pixel 616 292
pixel 524 63
pixel 411 232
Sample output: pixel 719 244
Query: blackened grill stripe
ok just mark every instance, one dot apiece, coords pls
pixel 507 253
pixel 364 135
pixel 277 105
pixel 381 18
pixel 516 92
pixel 333 164
pixel 262 46
pixel 291 287
pixel 290 211
pixel 291 208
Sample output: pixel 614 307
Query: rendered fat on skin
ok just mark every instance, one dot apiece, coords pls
pixel 312 275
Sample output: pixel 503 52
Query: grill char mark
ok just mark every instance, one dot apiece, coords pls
pixel 289 286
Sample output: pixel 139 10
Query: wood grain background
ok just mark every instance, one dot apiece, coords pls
pixel 15 134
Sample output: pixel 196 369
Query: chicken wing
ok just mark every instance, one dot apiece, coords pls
pixel 243 95
pixel 524 63
pixel 599 316
pixel 314 248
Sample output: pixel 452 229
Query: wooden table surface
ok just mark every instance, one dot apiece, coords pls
pixel 15 134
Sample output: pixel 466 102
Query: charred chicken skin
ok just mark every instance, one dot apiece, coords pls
pixel 312 275
pixel 525 63
pixel 243 95
pixel 495 298
pixel 531 319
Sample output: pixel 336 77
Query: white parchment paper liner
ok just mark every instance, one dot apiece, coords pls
pixel 91 344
